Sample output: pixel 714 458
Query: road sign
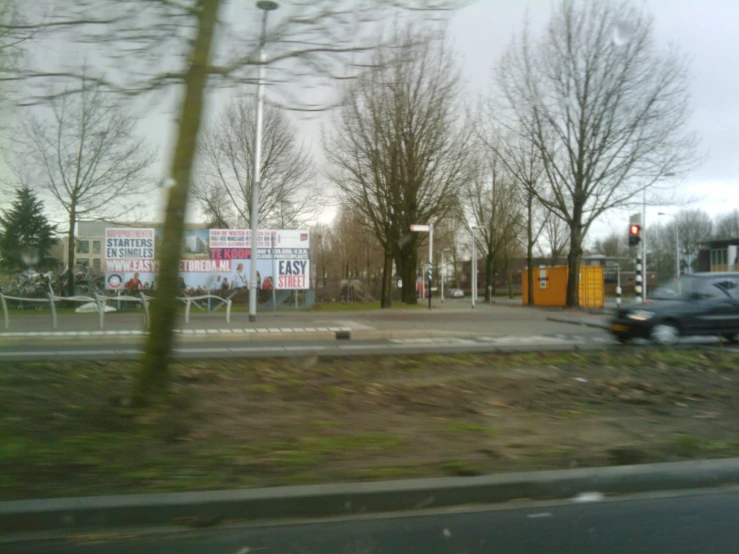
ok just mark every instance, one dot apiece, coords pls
pixel 421 228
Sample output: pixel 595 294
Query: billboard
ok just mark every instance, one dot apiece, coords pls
pixel 215 259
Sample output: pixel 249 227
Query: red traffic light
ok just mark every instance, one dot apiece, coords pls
pixel 634 230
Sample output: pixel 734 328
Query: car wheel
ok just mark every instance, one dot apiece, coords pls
pixel 623 339
pixel 665 333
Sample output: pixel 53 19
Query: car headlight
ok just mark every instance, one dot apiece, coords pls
pixel 641 315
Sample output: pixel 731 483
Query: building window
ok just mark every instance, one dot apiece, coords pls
pixel 83 262
pixel 83 247
pixel 96 247
pixel 96 263
pixel 719 257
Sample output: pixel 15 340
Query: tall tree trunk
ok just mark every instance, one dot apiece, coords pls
pixel 494 271
pixel 409 259
pixel 70 251
pixel 386 300
pixel 509 273
pixel 154 373
pixel 488 276
pixel 573 267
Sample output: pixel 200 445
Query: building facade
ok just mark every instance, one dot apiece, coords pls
pixel 719 255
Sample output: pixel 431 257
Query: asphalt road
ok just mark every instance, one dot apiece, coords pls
pixel 694 523
pixel 213 348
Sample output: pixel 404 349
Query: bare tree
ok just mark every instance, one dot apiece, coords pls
pixel 605 107
pixel 521 158
pixel 493 203
pixel 695 228
pixel 223 188
pixel 155 44
pixel 398 153
pixel 727 225
pixel 320 235
pixel 556 237
pixel 91 160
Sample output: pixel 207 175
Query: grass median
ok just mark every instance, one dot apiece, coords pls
pixel 66 428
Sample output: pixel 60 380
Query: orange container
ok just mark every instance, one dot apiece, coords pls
pixel 550 286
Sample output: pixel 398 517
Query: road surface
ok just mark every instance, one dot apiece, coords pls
pixel 230 348
pixel 692 523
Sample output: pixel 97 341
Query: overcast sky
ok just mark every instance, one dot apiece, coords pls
pixel 706 31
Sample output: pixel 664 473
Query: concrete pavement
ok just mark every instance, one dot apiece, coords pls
pixel 684 523
pixel 454 317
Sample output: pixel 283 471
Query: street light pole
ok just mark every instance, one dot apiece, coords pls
pixel 677 248
pixel 645 273
pixel 266 6
pixel 431 255
pixel 441 272
pixel 474 264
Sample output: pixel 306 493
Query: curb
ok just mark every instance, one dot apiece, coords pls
pixel 181 338
pixel 312 501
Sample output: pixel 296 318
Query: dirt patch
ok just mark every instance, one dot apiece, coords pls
pixel 68 429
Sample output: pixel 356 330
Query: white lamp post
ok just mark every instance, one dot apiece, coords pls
pixel 266 6
pixel 474 228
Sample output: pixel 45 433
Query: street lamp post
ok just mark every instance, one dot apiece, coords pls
pixel 645 272
pixel 441 272
pixel 266 6
pixel 474 264
pixel 677 249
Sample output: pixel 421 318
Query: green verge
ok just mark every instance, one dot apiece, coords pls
pixel 66 429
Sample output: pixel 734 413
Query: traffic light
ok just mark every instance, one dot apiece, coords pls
pixel 634 235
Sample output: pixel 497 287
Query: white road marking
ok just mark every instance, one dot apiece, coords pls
pixel 540 515
pixel 299 348
pixel 252 349
pixel 361 346
pixel 356 325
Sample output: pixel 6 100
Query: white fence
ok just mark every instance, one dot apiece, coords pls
pixel 101 302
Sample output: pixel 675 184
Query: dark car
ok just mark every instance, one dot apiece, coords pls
pixel 698 304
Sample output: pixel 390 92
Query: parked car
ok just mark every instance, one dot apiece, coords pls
pixel 456 293
pixel 698 304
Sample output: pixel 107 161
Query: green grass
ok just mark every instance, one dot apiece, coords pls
pixel 469 427
pixel 242 423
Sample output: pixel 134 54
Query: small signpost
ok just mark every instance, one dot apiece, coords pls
pixel 430 230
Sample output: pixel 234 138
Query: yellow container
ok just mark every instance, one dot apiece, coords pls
pixel 550 286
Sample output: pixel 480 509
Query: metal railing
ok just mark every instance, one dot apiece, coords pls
pixel 101 301
pixel 52 299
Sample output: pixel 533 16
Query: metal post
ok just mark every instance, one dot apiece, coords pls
pixel 6 317
pixel 53 310
pixel 441 274
pixel 677 252
pixel 256 170
pixel 101 311
pixel 145 305
pixel 474 270
pixel 431 257
pixel 188 303
pixel 228 311
pixel 644 247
